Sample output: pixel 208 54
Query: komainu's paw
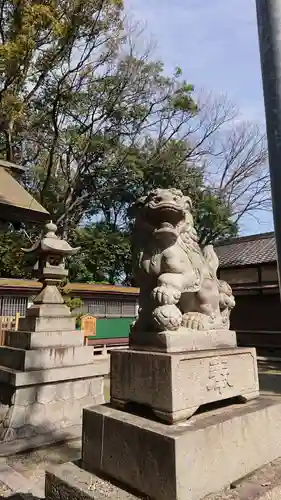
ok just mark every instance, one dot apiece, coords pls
pixel 164 295
pixel 167 317
pixel 196 321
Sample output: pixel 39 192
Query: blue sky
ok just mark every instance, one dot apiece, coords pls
pixel 215 43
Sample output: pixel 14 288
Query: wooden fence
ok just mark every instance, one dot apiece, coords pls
pixel 104 346
pixel 8 323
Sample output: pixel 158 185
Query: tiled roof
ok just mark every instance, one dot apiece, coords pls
pixel 70 287
pixel 247 250
pixel 19 283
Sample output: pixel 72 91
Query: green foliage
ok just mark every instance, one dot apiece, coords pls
pixel 73 303
pixel 106 249
pixel 213 219
pixel 13 262
pixel 105 254
pixel 39 60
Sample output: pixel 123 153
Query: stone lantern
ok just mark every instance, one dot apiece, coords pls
pixel 48 375
pixel 50 269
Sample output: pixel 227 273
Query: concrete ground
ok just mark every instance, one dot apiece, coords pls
pixel 25 472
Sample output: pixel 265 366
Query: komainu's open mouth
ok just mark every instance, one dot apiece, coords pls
pixel 167 206
pixel 166 216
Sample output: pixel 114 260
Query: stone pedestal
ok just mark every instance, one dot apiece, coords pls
pixel 47 377
pixel 175 385
pixel 149 443
pixel 185 461
pixel 128 457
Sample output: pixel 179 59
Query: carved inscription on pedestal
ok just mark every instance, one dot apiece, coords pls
pixel 218 375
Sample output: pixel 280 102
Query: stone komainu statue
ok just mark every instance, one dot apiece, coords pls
pixel 177 279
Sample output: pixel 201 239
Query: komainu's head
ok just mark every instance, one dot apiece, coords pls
pixel 165 210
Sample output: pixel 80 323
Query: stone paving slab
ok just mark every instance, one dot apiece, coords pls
pixel 32 465
pixel 263 484
pixel 25 473
pixel 69 481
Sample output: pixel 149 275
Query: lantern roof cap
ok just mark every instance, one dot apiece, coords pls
pixel 51 243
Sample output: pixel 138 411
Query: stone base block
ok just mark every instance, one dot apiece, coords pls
pixel 49 357
pixel 185 461
pixel 42 310
pixel 49 324
pixel 38 340
pixel 175 385
pixel 70 481
pixel 184 339
pixel 9 377
pixel 44 413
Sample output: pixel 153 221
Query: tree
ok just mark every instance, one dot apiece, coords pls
pixel 13 263
pixel 213 218
pixel 71 96
pixel 95 158
pixel 84 111
pixel 230 158
pixel 97 125
pixel 240 174
pixel 46 46
pixel 106 247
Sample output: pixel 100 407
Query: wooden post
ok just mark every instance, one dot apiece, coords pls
pixel 88 326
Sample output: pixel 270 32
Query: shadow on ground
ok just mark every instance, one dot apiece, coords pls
pixel 270 383
pixel 22 496
pixel 270 377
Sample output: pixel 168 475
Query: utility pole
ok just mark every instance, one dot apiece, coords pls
pixel 269 31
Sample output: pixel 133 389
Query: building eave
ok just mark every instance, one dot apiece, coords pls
pixel 16 204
